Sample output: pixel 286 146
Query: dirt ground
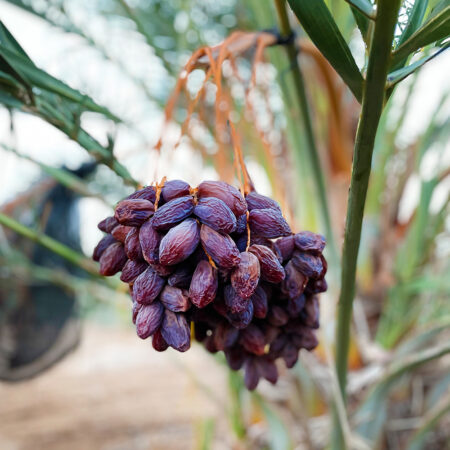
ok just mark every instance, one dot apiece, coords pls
pixel 114 392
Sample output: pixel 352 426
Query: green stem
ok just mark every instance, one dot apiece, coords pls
pixel 51 244
pixel 372 106
pixel 299 85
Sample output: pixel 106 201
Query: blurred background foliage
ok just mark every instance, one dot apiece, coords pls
pixel 111 86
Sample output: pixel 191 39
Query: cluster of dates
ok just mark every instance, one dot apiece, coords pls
pixel 229 265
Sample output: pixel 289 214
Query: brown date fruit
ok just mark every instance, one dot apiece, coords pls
pixel 131 270
pixel 308 264
pixel 133 212
pixel 136 308
pixel 220 247
pixel 112 259
pixel 271 269
pixel 147 286
pixel 132 245
pixel 108 224
pixel 174 299
pixel 235 357
pixel 174 189
pixel 306 339
pixel 120 232
pixel 258 201
pixel 204 283
pixel 103 244
pixel 173 212
pixel 268 223
pixel 307 241
pixel 179 243
pixel 245 276
pixel 216 214
pixel 175 331
pixel 149 319
pixel 225 192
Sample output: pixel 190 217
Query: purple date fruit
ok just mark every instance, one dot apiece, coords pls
pixel 216 214
pixel 147 286
pixel 295 306
pixel 174 299
pixel 241 320
pixel 258 201
pixel 271 269
pixel 175 331
pixel 235 303
pixel 225 336
pixel 252 339
pixel 174 189
pixel 260 305
pixel 245 276
pixel 179 243
pixel 112 259
pixel 158 342
pixel 131 270
pixel 277 316
pixel 172 213
pixel 147 193
pixel 108 224
pixel 268 223
pixel 308 264
pixel 149 319
pixel 220 247
pixel 120 232
pixel 311 312
pixel 149 240
pixel 285 247
pixel 136 308
pixel 295 282
pixel 267 369
pixel 204 283
pixel 225 192
pixel 290 355
pixel 305 339
pixel 307 241
pixel 241 224
pixel 181 278
pixel 133 212
pixel 251 376
pixel 132 245
pixel 103 244
pixel 235 357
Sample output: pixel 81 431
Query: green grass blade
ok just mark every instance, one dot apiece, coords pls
pixel 436 27
pixel 318 22
pixel 430 420
pixel 415 18
pixel 43 80
pixel 400 74
pixel 7 40
pixel 51 244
